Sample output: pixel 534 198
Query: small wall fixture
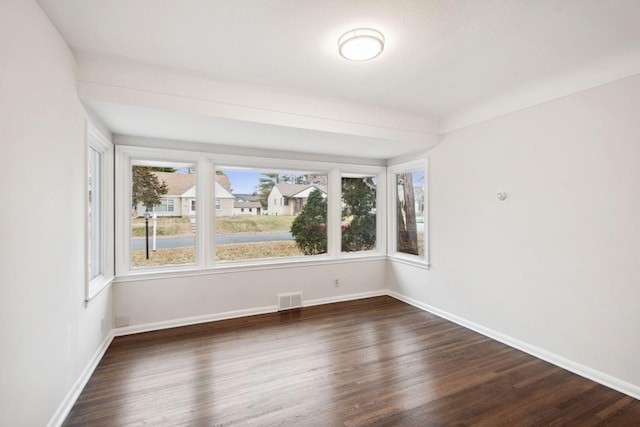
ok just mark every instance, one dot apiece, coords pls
pixel 361 44
pixel 502 196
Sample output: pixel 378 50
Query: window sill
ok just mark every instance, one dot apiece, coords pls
pixel 409 261
pixel 239 266
pixel 97 285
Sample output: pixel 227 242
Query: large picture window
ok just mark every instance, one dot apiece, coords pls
pixel 267 213
pixel 183 211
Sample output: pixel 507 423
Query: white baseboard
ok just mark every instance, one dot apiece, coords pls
pixel 73 394
pixel 577 368
pixel 186 321
pixel 342 298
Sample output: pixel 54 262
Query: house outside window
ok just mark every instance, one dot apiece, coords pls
pixel 273 235
pixel 307 227
pixel 168 189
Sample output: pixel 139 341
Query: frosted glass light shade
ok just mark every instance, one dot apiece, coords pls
pixel 361 44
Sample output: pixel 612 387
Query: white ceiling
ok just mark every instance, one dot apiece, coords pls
pixel 442 57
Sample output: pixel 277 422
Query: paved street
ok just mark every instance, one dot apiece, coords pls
pixel 180 242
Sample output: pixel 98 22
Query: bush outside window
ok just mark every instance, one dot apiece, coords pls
pixel 358 225
pixel 248 212
pixel 269 213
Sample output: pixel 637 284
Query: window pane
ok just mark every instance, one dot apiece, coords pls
pixel 269 213
pixel 163 219
pixel 410 212
pixel 95 217
pixel 358 213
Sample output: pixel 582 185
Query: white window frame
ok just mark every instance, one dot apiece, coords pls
pixel 285 165
pixel 125 158
pixel 392 227
pixel 381 235
pixel 103 146
pixel 205 225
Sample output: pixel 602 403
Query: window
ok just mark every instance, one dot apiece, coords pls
pixel 95 214
pixel 162 221
pixel 358 225
pixel 290 229
pixel 332 211
pixel 165 205
pixel 409 228
pixel 99 216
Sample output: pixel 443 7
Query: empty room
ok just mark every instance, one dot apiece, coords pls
pixel 320 213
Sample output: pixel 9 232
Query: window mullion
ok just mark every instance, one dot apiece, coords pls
pixel 204 212
pixel 334 213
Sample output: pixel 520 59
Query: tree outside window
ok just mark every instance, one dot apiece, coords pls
pixel 358 213
pixel 410 211
pixel 168 191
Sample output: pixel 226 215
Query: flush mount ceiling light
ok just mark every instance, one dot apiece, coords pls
pixel 361 44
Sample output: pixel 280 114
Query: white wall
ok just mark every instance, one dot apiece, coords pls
pixel 555 266
pixel 48 336
pixel 167 301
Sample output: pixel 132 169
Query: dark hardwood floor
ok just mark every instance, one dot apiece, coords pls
pixel 374 361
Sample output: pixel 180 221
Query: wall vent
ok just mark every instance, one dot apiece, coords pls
pixel 289 301
pixel 121 321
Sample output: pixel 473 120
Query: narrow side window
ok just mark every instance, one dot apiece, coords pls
pixel 410 224
pixel 99 228
pixel 95 235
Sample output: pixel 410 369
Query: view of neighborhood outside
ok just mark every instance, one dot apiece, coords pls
pixel 167 195
pixel 270 214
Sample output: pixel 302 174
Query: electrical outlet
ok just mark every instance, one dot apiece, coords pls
pixel 336 283
pixel 103 324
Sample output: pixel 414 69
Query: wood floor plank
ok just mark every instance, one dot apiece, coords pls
pixel 370 362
